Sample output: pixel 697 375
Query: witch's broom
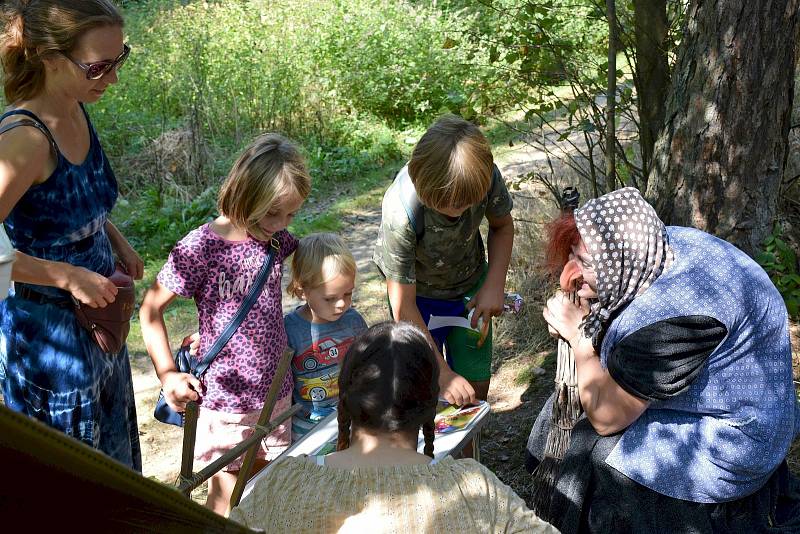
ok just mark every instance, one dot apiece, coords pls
pixel 566 409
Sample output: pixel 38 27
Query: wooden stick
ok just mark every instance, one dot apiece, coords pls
pixel 189 437
pixel 258 434
pixel 266 413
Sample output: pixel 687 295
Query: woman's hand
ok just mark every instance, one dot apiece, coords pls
pixel 90 288
pixel 131 260
pixel 124 251
pixel 563 316
pixel 180 388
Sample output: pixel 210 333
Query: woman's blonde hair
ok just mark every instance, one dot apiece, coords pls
pixel 451 165
pixel 270 169
pixel 34 30
pixel 318 259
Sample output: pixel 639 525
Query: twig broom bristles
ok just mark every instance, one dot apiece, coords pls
pixel 566 411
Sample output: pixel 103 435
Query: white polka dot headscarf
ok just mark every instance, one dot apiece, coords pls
pixel 629 247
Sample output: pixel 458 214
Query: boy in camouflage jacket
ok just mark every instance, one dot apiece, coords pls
pixel 436 264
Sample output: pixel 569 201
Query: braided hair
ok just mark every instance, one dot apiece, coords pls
pixel 389 382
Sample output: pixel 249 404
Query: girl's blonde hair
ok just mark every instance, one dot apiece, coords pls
pixel 34 30
pixel 270 169
pixel 451 165
pixel 318 259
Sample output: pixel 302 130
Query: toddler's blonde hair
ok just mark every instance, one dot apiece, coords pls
pixel 318 259
pixel 270 168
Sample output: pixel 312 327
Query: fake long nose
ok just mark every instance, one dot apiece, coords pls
pixel 571 274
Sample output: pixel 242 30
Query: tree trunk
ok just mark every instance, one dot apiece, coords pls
pixel 652 73
pixel 719 160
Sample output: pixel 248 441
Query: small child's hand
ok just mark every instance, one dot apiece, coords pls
pixel 193 340
pixel 455 389
pixel 487 303
pixel 179 389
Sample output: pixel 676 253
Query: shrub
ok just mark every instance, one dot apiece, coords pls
pixel 780 262
pixel 335 75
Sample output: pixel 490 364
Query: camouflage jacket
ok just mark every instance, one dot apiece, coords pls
pixel 448 260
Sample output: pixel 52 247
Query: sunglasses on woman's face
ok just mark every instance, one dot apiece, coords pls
pixel 95 71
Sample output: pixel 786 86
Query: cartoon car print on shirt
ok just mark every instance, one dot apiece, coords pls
pixel 325 353
pixel 320 388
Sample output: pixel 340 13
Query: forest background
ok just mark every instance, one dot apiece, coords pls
pixel 355 83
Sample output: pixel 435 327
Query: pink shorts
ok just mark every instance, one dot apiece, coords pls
pixel 219 432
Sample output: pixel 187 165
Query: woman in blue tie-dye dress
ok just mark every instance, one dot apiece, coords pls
pixel 56 191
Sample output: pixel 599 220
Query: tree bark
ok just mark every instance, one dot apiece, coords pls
pixel 651 76
pixel 719 159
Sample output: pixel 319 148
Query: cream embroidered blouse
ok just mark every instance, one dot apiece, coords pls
pixel 450 497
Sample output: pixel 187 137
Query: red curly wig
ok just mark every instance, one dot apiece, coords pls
pixel 562 235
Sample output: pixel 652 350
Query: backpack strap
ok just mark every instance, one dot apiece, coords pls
pixel 495 174
pixel 29 120
pixel 410 200
pixel 412 205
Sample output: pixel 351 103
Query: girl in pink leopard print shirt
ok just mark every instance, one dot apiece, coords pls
pixel 215 265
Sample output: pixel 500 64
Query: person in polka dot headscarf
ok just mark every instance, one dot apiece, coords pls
pixel 684 373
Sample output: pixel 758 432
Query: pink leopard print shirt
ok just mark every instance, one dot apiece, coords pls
pixel 217 274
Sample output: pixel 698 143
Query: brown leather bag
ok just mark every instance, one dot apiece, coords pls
pixel 109 326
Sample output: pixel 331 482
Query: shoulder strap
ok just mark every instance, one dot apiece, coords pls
pixel 241 313
pixel 495 174
pixel 30 120
pixel 410 200
pixel 412 205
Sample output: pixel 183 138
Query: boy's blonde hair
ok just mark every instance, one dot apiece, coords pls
pixel 451 165
pixel 318 259
pixel 270 168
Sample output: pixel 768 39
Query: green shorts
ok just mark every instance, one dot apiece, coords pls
pixel 460 344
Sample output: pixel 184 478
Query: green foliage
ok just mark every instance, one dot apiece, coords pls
pixel 548 60
pixel 535 46
pixel 328 74
pixel 780 262
pixel 393 59
pixel 153 223
pixel 349 148
pixel 344 79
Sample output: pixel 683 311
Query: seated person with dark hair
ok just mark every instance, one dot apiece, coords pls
pixel 377 481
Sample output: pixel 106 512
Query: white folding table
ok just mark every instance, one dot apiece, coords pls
pixel 327 430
